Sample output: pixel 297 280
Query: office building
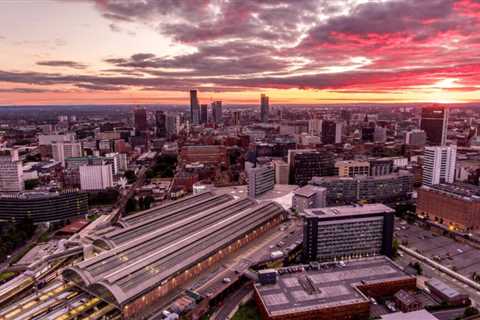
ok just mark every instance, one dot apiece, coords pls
pixel 264 108
pixel 260 180
pixel 435 124
pixel 208 154
pixel 217 112
pixel 237 116
pixel 281 171
pixel 194 108
pixel 446 293
pixel 455 205
pixel 352 168
pixel 52 138
pixel 368 134
pixel 304 164
pixel 140 119
pixel 161 124
pixel 416 138
pixel 11 171
pixel 96 177
pixel 331 132
pixel 389 188
pixel 329 291
pixel 439 165
pixel 43 206
pixel 315 127
pixel 172 125
pixel 380 135
pixel 63 150
pixel 203 113
pixel 339 233
pixel 308 197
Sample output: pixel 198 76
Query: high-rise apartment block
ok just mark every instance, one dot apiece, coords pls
pixel 194 108
pixel 203 113
pixel 435 124
pixel 439 165
pixel 217 112
pixel 11 179
pixel 315 127
pixel 161 124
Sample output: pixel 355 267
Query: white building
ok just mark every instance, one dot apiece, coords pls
pixel 309 197
pixel 63 150
pixel 260 180
pixel 315 127
pixel 45 139
pixel 96 177
pixel 439 165
pixel 11 169
pixel 416 138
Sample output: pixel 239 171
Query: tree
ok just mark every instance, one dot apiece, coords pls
pixel 470 311
pixel 31 184
pixel 148 201
pixel 131 205
pixel 395 246
pixel 131 176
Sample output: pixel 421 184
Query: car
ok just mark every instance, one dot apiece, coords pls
pixel 227 280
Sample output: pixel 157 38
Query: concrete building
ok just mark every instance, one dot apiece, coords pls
pixel 389 188
pixel 281 171
pixel 96 177
pixel 161 124
pixel 203 113
pixel 260 180
pixel 308 197
pixel 380 135
pixel 414 315
pixel 352 168
pixel 446 293
pixel 11 171
pixel 330 291
pixel 207 154
pixel 52 138
pixel 416 138
pixel 381 166
pixel 64 150
pixel 455 205
pixel 140 119
pixel 435 124
pixel 439 165
pixel 345 232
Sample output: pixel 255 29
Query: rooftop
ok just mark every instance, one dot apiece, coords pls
pixel 352 210
pixel 414 315
pixel 443 288
pixel 308 190
pixel 462 190
pixel 329 285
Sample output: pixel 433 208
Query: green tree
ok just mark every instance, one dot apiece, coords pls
pixel 395 246
pixel 470 311
pixel 31 184
pixel 131 205
pixel 130 176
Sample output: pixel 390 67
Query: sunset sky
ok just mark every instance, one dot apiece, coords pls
pixel 298 51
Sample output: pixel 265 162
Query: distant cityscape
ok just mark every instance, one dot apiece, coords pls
pixel 314 212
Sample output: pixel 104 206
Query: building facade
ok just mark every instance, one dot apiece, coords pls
pixel 260 180
pixel 64 150
pixel 435 124
pixel 331 132
pixel 306 164
pixel 264 108
pixel 11 171
pixel 308 197
pixel 96 177
pixel 352 168
pixel 439 165
pixel 339 233
pixel 416 138
pixel 194 108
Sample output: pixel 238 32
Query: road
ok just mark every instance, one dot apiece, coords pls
pixel 232 302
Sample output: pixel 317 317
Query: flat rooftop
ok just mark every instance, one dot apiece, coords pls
pixel 329 285
pixel 461 190
pixel 308 190
pixel 352 210
pixel 414 315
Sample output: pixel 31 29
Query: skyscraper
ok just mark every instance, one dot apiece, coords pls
pixel 439 165
pixel 203 113
pixel 161 124
pixel 264 107
pixel 435 123
pixel 217 112
pixel 140 117
pixel 194 108
pixel 331 132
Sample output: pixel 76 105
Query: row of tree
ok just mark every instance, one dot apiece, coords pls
pixel 141 203
pixel 14 235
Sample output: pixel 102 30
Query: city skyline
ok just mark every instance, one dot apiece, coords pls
pixel 296 52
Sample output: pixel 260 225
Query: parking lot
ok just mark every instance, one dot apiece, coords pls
pixel 457 256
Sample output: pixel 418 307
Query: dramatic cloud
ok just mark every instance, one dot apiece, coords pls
pixel 62 63
pixel 345 47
